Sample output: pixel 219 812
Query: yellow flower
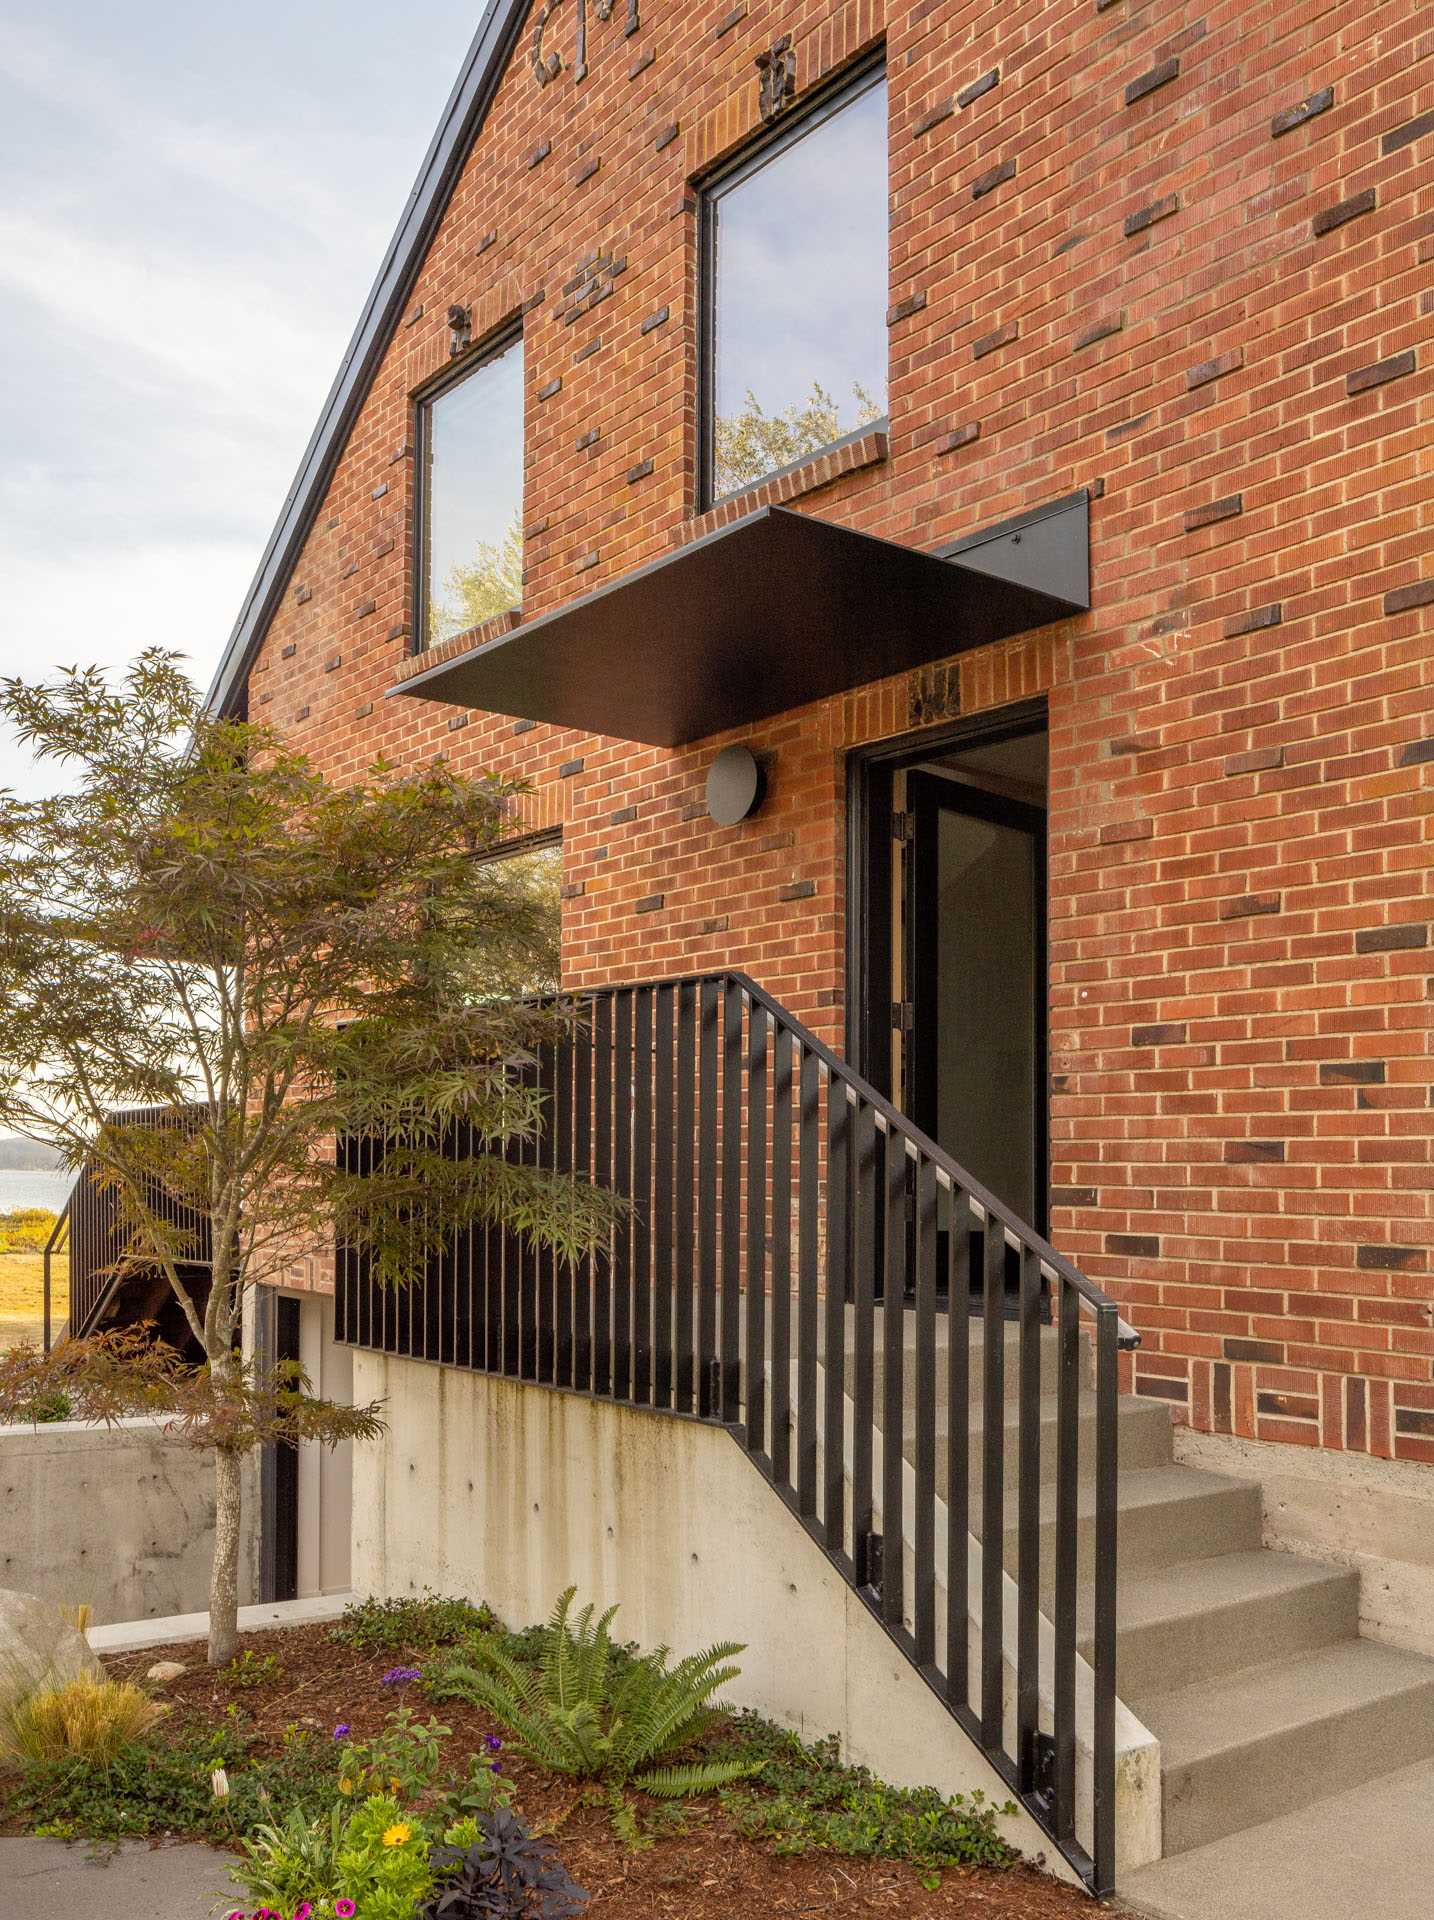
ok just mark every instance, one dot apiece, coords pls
pixel 393 1785
pixel 346 1785
pixel 397 1834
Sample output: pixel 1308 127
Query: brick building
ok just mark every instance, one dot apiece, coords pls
pixel 1084 653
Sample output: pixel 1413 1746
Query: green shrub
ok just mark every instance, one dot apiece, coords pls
pixel 801 1799
pixel 583 1712
pixel 403 1759
pixel 288 1861
pixel 422 1621
pixel 376 1856
pixel 150 1789
pixel 251 1669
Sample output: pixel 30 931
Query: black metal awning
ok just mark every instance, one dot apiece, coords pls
pixel 771 613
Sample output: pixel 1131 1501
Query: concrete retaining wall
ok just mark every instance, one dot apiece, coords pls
pixel 120 1518
pixel 510 1493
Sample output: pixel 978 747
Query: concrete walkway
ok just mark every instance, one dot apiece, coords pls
pixel 1370 1847
pixel 58 1880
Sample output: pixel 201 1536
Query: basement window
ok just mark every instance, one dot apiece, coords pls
pixel 470 495
pixel 794 263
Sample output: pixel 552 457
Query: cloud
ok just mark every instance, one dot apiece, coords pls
pixel 194 203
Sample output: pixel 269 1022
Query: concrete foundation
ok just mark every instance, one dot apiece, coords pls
pixel 120 1519
pixel 510 1493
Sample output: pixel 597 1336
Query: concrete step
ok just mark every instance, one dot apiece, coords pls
pixel 1191 1622
pixel 1145 1439
pixel 1274 1738
pixel 975 1362
pixel 1165 1514
pixel 1368 1849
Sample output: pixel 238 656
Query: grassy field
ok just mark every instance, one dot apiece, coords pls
pixel 22 1298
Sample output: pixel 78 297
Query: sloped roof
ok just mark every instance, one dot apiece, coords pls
pixel 462 120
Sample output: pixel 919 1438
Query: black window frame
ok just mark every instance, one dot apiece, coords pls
pixel 472 362
pixel 821 105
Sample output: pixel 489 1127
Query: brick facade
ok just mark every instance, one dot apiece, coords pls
pixel 1182 256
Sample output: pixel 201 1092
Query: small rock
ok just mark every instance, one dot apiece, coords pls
pixel 163 1671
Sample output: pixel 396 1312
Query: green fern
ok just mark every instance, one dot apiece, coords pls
pixel 698 1776
pixel 584 1712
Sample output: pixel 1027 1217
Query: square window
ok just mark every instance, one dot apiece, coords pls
pixel 470 496
pixel 795 267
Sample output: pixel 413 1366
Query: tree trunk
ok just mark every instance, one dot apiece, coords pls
pixel 224 1577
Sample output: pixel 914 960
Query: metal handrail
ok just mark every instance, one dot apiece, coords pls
pixel 779 1211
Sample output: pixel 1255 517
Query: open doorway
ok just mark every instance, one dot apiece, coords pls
pixel 947 1010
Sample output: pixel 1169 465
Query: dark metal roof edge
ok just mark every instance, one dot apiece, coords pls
pixel 460 124
pixel 1016 524
pixel 526 628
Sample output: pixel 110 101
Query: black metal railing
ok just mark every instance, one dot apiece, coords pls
pixel 802 1265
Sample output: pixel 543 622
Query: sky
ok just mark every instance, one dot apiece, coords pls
pixel 194 201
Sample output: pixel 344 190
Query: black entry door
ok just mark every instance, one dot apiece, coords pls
pixel 975 911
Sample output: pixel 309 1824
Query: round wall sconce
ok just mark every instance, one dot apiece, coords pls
pixel 735 786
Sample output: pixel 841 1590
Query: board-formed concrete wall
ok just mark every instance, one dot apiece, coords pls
pixel 119 1518
pixel 510 1493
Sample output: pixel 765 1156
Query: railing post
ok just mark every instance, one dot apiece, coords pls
pixel 1067 1543
pixel 781 1375
pixel 731 1315
pixel 839 1191
pixel 993 1487
pixel 1028 1522
pixel 958 1450
pixel 1107 1411
pixel 756 1264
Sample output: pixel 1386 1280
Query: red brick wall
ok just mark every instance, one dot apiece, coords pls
pixel 1204 293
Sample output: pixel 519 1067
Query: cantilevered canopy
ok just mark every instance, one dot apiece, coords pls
pixel 777 610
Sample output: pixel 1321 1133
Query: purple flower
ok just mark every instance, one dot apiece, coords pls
pixel 341 1731
pixel 496 1766
pixel 492 1743
pixel 400 1676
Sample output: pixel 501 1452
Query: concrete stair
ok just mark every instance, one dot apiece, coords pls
pixel 1246 1664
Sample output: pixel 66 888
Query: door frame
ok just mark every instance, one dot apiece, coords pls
pixel 870 872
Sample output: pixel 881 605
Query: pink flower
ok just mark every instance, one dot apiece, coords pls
pixel 345 1909
pixel 303 1910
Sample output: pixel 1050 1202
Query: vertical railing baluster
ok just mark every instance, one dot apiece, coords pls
pixel 1067 1565
pixel 863 1412
pixel 622 1274
pixel 808 1150
pixel 707 1221
pixel 642 1197
pixel 1103 1658
pixel 756 1262
pixel 993 1487
pixel 893 1363
pixel 662 1197
pixel 602 1174
pixel 1028 1521
pixel 958 1449
pixel 563 1268
pixel 582 1168
pixel 531 1250
pixel 924 1419
pixel 546 1258
pixel 683 1274
pixel 839 1199
pixel 781 1375
pixel 731 1313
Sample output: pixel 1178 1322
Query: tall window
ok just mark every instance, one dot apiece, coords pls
pixel 795 285
pixel 470 496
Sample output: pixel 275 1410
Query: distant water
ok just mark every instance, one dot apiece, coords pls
pixel 33 1190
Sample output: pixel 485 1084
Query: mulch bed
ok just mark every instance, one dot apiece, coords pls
pixel 703 1871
